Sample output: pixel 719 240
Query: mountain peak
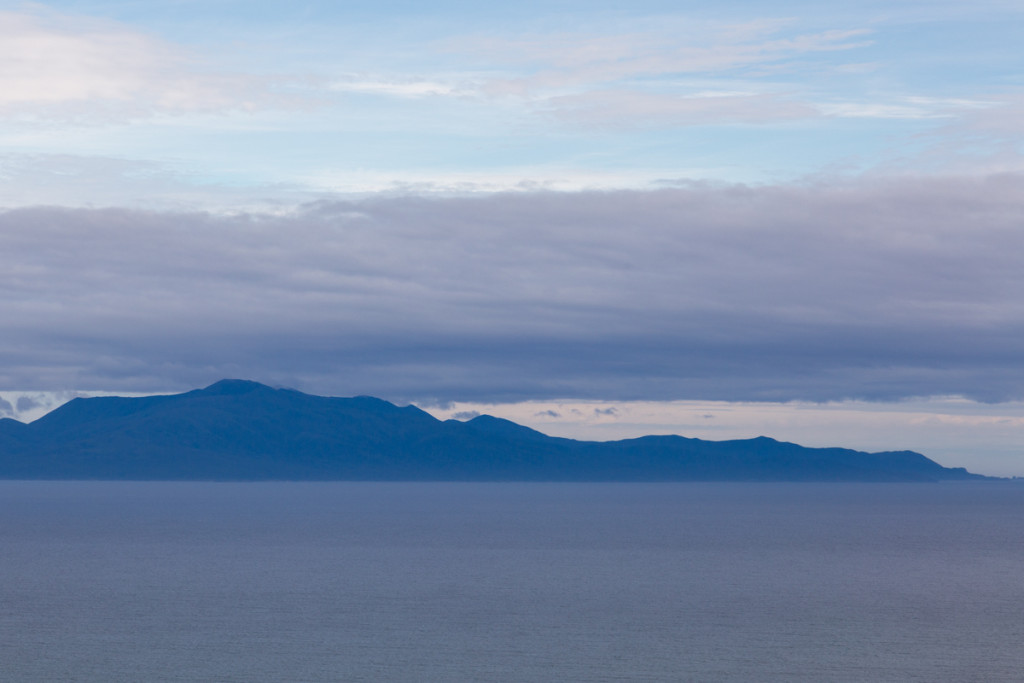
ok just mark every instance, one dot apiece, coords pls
pixel 227 387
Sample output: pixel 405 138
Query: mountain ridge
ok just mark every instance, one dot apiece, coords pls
pixel 243 430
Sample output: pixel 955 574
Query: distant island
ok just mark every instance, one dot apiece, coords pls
pixel 237 430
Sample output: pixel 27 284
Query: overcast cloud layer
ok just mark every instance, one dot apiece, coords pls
pixel 863 289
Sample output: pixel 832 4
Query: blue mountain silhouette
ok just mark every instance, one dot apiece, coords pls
pixel 246 431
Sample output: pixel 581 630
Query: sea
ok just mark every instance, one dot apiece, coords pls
pixel 292 582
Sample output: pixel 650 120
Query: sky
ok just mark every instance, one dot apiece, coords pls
pixel 797 219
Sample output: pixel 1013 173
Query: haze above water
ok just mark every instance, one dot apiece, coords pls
pixel 499 582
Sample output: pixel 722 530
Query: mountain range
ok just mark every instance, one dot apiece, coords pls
pixel 237 430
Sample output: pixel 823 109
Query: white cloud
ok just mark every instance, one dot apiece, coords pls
pixel 875 110
pixel 398 88
pixel 446 182
pixel 78 69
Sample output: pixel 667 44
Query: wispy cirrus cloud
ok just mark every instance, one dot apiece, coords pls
pixel 618 108
pixel 644 78
pixel 567 60
pixel 679 75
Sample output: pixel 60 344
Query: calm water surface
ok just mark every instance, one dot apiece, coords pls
pixel 511 582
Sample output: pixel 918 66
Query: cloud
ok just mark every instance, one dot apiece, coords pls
pixel 57 67
pixel 28 403
pixel 573 59
pixel 875 288
pixel 548 413
pixel 406 88
pixel 914 107
pixel 1002 116
pixel 626 108
pixel 465 415
pixel 641 77
pixel 6 409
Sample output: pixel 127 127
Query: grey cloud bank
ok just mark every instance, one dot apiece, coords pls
pixel 879 289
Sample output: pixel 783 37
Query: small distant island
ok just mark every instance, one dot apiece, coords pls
pixel 238 430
